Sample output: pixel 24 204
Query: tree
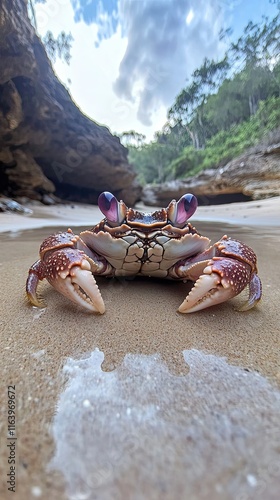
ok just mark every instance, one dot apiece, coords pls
pixel 132 138
pixel 255 52
pixel 216 111
pixel 188 108
pixel 149 162
pixel 56 47
pixel 238 98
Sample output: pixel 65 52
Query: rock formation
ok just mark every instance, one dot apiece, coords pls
pixel 253 175
pixel 7 205
pixel 46 144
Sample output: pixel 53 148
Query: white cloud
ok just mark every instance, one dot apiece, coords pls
pixel 163 50
pixel 190 16
pixel 129 82
pixel 93 70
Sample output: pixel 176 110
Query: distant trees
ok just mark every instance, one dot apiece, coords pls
pixel 56 47
pixel 223 104
pixel 189 106
pixel 250 61
pixel 258 50
pixel 132 138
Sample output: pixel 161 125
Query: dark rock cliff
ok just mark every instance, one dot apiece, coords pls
pixel 47 145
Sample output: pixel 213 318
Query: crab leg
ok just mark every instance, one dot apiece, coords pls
pixel 255 293
pixel 36 273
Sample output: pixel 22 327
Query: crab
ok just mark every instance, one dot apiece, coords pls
pixel 162 244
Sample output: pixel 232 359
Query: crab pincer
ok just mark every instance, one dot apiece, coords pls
pixel 69 270
pixel 230 270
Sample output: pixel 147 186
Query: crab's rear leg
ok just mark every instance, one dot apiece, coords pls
pixel 255 293
pixel 35 274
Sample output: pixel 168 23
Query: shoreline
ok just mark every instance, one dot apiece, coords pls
pixel 264 213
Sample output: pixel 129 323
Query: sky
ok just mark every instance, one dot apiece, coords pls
pixel 130 58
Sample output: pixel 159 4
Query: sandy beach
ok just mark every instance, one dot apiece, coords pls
pixel 253 213
pixel 142 402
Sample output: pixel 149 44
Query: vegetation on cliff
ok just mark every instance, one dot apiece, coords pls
pixel 227 107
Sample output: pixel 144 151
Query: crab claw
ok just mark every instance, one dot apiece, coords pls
pixel 221 279
pixel 69 271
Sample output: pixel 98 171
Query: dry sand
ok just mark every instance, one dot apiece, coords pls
pixel 142 402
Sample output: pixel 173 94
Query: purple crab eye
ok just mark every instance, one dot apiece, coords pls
pixel 186 207
pixel 113 210
pixel 108 205
pixel 179 212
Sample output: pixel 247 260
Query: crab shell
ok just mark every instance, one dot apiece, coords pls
pixel 162 244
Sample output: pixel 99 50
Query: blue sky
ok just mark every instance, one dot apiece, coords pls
pixel 89 9
pixel 130 58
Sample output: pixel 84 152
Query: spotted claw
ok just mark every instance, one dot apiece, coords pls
pixel 221 280
pixel 69 271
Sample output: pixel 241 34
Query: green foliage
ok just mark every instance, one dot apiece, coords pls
pixel 227 107
pixel 188 163
pixel 132 139
pixel 148 162
pixel 228 144
pixel 238 98
pixel 189 105
pixel 152 161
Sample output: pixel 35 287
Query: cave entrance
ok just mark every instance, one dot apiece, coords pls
pixel 221 199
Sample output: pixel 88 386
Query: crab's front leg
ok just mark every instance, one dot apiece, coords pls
pixel 68 265
pixel 220 273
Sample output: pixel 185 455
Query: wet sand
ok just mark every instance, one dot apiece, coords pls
pixel 142 402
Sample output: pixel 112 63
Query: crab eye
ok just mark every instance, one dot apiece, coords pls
pixel 113 210
pixel 186 207
pixel 179 212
